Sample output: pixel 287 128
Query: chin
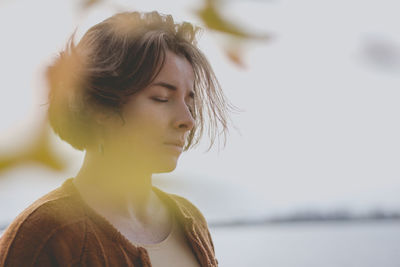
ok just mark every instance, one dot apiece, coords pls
pixel 166 166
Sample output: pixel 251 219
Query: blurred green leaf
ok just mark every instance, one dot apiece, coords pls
pixel 39 152
pixel 211 16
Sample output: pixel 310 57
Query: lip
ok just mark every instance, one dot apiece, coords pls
pixel 177 146
pixel 176 143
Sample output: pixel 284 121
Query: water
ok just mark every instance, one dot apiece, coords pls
pixel 372 244
pixel 366 244
pixel 309 245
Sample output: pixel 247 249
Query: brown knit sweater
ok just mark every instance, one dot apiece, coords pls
pixel 59 229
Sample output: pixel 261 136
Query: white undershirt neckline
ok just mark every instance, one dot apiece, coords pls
pixel 160 244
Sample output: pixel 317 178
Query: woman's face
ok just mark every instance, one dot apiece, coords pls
pixel 158 119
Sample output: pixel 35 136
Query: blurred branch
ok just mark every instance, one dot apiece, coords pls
pixel 211 15
pixel 39 152
pixel 86 4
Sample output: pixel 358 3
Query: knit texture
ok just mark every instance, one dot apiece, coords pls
pixel 59 229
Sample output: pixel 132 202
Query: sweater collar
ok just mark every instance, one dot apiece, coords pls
pixel 185 215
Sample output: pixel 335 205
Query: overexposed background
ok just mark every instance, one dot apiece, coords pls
pixel 320 126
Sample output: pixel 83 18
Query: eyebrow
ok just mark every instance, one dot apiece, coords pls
pixel 172 87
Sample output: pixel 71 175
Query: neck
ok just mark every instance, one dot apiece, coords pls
pixel 114 184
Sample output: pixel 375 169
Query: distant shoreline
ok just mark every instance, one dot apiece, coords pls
pixel 292 220
pixel 299 219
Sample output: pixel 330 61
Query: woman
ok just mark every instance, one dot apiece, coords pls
pixel 133 93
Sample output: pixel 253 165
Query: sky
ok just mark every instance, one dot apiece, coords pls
pixel 319 125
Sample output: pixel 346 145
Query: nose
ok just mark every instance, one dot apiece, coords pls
pixel 184 120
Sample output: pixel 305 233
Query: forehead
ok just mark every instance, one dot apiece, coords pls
pixel 178 70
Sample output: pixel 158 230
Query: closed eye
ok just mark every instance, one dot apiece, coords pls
pixel 190 107
pixel 160 99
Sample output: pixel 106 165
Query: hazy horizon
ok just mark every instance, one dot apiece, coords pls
pixel 320 121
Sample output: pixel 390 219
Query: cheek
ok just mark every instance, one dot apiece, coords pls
pixel 145 127
pixel 146 124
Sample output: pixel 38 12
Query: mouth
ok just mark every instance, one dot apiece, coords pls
pixel 175 146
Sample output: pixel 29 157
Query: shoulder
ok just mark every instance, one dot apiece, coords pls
pixel 53 227
pixel 189 210
pixel 182 204
pixel 199 221
pixel 193 210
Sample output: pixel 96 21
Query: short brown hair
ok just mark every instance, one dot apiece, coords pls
pixel 117 58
